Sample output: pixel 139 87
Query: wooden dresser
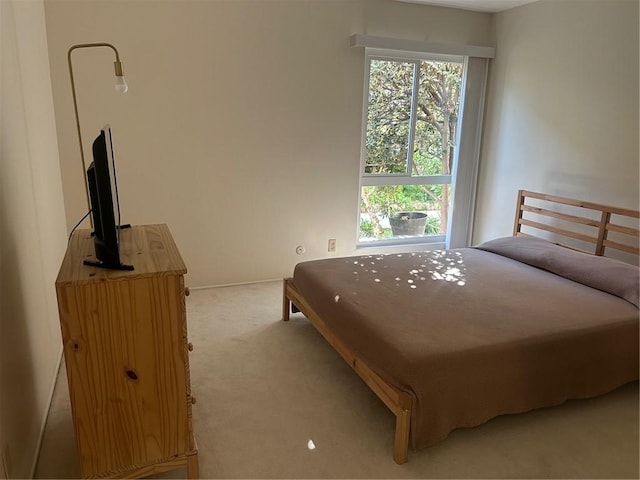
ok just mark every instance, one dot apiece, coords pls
pixel 127 356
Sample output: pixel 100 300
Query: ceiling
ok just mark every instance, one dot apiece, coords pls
pixel 491 6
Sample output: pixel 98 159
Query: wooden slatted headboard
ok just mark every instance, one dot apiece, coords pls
pixel 592 223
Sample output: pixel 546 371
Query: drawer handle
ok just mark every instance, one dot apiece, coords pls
pixel 186 291
pixel 190 346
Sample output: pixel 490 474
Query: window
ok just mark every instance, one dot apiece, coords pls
pixel 409 150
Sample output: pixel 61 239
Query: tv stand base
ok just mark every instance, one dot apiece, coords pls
pixel 99 264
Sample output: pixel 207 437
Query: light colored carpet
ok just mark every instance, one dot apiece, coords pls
pixel 266 387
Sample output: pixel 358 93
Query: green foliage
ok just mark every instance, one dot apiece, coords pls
pixel 433 226
pixel 389 116
pixel 366 228
pixel 390 199
pixel 390 90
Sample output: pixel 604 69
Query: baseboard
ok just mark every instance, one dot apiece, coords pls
pixel 34 465
pixel 204 287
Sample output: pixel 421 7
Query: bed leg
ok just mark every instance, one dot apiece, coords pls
pixel 286 303
pixel 401 444
pixel 193 470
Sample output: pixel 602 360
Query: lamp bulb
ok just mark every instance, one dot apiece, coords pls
pixel 121 84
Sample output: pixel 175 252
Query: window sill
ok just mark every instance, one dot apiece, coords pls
pixel 436 242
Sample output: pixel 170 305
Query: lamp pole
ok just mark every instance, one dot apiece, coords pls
pixel 121 87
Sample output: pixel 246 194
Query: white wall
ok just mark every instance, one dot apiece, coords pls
pixel 562 108
pixel 241 129
pixel 32 233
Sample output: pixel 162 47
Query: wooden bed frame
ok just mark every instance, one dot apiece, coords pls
pixel 588 223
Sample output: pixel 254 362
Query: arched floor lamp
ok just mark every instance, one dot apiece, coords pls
pixel 121 87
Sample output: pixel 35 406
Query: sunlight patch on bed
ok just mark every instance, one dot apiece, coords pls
pixel 449 268
pixel 438 265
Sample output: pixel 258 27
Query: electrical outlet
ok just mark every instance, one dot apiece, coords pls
pixel 332 245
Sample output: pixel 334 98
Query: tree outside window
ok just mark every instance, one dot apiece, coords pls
pixel 412 117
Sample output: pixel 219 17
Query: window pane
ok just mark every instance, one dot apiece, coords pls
pixel 388 116
pixel 436 117
pixel 400 211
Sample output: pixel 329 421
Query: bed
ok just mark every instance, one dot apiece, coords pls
pixel 452 338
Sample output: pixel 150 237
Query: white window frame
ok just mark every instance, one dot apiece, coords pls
pixel 464 169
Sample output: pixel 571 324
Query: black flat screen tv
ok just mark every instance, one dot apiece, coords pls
pixel 105 207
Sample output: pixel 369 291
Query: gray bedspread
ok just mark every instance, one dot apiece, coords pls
pixel 472 334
